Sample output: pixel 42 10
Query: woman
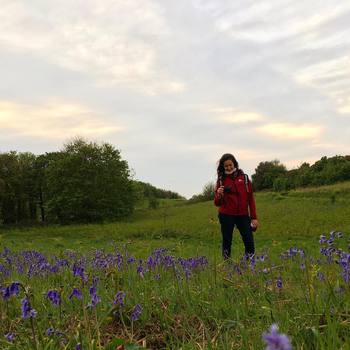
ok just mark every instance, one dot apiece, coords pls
pixel 234 197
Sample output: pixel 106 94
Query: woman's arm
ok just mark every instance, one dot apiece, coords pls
pixel 251 202
pixel 219 194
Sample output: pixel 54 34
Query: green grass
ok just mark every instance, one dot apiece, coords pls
pixel 297 217
pixel 217 307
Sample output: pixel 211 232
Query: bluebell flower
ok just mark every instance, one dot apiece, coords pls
pixel 320 276
pixel 275 340
pixel 50 331
pixel 131 260
pixel 54 297
pixel 27 310
pixel 279 282
pixel 79 271
pixel 119 299
pixel 139 270
pixel 78 347
pixel 95 299
pixel 136 312
pixel 76 293
pixel 12 289
pixel 10 337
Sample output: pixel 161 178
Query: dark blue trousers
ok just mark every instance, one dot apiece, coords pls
pixel 242 222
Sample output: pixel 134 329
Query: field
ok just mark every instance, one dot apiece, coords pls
pixel 157 280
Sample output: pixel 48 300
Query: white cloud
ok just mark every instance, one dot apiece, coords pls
pixel 291 131
pixel 269 21
pixel 52 121
pixel 332 78
pixel 115 42
pixel 318 73
pixel 235 116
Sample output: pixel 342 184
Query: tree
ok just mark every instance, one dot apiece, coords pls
pixel 88 182
pixel 207 193
pixel 8 186
pixel 266 173
pixel 17 188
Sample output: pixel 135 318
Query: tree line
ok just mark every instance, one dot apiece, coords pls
pixel 84 182
pixel 274 176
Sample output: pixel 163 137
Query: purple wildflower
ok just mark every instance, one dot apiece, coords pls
pixel 119 299
pixel 10 337
pixel 27 310
pixel 139 269
pixel 279 282
pixel 79 271
pixel 12 289
pixel 75 293
pixel 136 312
pixel 54 297
pixel 323 239
pixel 262 257
pixel 50 331
pixel 78 347
pixel 95 299
pixel 320 276
pixel 131 260
pixel 275 340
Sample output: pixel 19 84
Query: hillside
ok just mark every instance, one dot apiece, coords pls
pixel 297 217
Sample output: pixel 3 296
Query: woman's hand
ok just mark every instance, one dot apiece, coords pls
pixel 220 190
pixel 254 223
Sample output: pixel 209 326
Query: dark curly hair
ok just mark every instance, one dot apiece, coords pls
pixel 223 159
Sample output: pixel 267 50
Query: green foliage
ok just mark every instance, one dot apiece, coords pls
pixel 281 184
pixel 326 171
pixel 207 193
pixel 146 190
pixel 17 187
pixel 266 173
pixel 88 182
pixel 153 203
pixel 84 182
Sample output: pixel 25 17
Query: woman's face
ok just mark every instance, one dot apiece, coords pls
pixel 228 166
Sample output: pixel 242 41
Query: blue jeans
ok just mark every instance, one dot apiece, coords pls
pixel 242 222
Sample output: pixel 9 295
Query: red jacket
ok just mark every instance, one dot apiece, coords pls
pixel 238 199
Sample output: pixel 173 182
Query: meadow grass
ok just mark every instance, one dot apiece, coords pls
pixel 187 302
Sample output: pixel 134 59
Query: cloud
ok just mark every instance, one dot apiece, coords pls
pixel 235 116
pixel 291 131
pixel 345 108
pixel 113 41
pixel 52 121
pixel 332 78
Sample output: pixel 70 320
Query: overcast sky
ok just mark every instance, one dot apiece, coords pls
pixel 175 84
